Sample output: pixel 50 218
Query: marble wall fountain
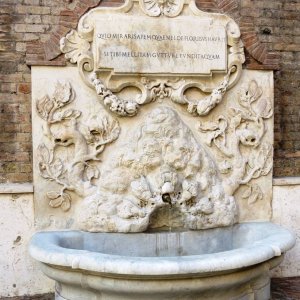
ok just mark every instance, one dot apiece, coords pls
pixel 153 159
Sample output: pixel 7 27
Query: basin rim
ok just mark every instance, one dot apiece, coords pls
pixel 44 247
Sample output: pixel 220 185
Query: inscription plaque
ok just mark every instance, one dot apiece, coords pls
pixel 133 44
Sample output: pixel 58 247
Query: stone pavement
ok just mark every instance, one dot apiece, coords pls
pixel 285 288
pixel 282 289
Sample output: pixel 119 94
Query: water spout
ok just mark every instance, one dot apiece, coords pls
pixel 166 198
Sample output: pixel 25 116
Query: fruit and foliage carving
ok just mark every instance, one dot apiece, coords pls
pixel 64 128
pixel 238 138
pixel 160 168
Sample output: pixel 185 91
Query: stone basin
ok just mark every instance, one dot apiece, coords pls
pixel 223 263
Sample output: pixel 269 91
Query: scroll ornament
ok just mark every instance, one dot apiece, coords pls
pixel 159 90
pixel 79 49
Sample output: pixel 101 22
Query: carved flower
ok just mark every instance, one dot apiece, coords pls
pixel 44 106
pixel 101 129
pixel 63 94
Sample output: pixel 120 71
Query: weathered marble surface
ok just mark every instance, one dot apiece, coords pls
pixel 19 273
pixel 130 143
pixel 152 39
pixel 286 212
pixel 223 155
pixel 180 144
pixel 204 256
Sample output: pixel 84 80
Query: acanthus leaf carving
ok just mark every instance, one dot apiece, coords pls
pixel 63 129
pixel 74 46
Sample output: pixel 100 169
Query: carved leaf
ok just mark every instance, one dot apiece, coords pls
pixel 44 106
pixel 214 130
pixel 254 91
pixel 56 168
pixel 253 193
pixel 66 204
pixel 74 46
pixel 53 195
pixel 70 114
pixel 253 198
pixel 262 160
pixel 247 192
pixel 263 108
pixel 102 130
pixel 267 151
pixel 249 96
pixel 241 114
pixel 209 126
pixel 220 124
pixel 43 170
pixel 114 130
pixel 57 202
pixel 43 154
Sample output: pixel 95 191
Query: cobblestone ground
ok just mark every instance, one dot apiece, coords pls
pixel 281 288
pixel 286 288
pixel 37 297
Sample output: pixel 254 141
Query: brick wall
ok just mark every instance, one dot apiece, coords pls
pixel 30 31
pixel 278 24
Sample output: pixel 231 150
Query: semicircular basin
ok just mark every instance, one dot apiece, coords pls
pixel 186 254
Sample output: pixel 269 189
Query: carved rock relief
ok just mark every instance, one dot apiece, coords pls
pixel 163 166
